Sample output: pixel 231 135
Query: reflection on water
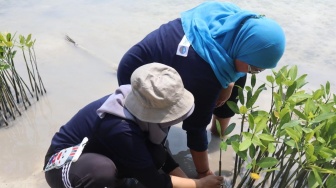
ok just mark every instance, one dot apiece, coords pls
pixel 105 29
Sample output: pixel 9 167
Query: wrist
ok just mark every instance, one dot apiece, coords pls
pixel 198 183
pixel 202 172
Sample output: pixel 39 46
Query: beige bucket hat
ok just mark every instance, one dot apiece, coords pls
pixel 158 94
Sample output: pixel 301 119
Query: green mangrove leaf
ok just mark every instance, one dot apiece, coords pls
pixel 253 80
pixel 280 76
pixel 251 100
pixel 2 38
pixel 271 148
pixel 245 145
pixel 260 113
pixel 327 88
pixel 319 169
pixel 235 146
pixel 234 138
pixel 289 150
pixel 28 38
pixel 241 96
pixel 242 154
pixel 291 124
pixel 248 88
pixel 292 73
pixel 291 89
pixel 276 114
pixel 219 128
pixel 9 44
pixel 233 106
pixel 30 44
pixel 312 182
pixel 9 37
pixel 250 120
pixel 288 82
pixel 267 162
pixel 301 81
pixel 331 182
pixel 298 97
pixel 223 146
pixel 257 141
pixel 229 129
pixel 283 112
pixel 309 136
pixel 323 117
pixel 247 135
pixel 248 96
pixel 261 125
pixel 290 143
pixel 318 94
pixel 325 108
pixel 307 130
pixel 326 153
pixel 317 177
pixel 270 79
pixel 294 134
pixel 242 110
pixel 310 153
pixel 300 114
pixel 22 39
pixel 321 140
pixel 266 137
pixel 309 107
pixel 252 151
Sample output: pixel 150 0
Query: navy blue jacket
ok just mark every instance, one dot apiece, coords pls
pixel 119 139
pixel 198 77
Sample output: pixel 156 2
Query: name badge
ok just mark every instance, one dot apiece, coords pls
pixel 65 155
pixel 183 47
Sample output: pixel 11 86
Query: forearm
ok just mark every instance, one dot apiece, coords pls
pixel 224 95
pixel 178 172
pixel 179 182
pixel 201 162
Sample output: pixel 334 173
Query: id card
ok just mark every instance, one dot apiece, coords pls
pixel 183 47
pixel 65 155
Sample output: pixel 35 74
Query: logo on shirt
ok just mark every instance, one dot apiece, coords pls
pixel 183 49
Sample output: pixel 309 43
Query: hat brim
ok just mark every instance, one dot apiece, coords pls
pixel 157 115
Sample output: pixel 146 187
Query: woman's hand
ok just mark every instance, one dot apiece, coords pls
pixel 210 181
pixel 224 95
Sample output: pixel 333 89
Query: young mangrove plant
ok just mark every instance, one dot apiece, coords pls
pixel 13 88
pixel 293 143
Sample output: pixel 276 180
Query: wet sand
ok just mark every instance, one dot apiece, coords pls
pixel 105 30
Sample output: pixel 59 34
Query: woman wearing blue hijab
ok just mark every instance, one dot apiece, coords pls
pixel 211 46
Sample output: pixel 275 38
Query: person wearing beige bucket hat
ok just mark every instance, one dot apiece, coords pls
pixel 116 141
pixel 156 94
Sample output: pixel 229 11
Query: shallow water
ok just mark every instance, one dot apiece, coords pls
pixel 104 30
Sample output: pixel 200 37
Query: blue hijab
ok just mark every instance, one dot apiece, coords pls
pixel 222 32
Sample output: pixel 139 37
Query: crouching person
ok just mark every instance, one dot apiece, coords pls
pixel 120 136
